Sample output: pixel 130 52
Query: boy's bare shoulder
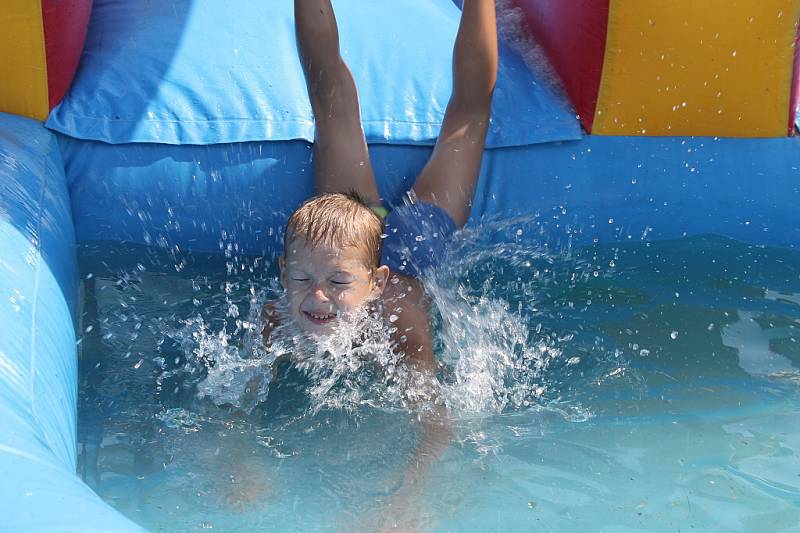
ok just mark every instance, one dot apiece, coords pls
pixel 404 291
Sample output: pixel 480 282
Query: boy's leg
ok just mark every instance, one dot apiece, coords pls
pixel 448 179
pixel 341 160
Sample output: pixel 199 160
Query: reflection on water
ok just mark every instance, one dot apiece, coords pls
pixel 647 385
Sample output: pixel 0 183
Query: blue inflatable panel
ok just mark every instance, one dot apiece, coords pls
pixel 205 197
pixel 239 196
pixel 208 72
pixel 38 366
pixel 618 189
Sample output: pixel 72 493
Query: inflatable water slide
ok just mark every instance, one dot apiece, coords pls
pixel 185 124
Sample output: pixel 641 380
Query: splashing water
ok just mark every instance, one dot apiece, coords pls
pixel 497 351
pixel 490 359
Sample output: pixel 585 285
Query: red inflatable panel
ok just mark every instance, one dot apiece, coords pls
pixel 573 34
pixel 65 23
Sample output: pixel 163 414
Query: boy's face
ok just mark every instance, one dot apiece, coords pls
pixel 324 283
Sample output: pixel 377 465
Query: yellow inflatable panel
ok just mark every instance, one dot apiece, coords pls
pixel 697 67
pixel 23 62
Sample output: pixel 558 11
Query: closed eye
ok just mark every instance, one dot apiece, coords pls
pixel 300 279
pixel 340 283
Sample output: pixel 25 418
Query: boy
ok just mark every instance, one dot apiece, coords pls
pixel 332 263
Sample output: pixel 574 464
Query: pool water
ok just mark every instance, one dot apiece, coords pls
pixel 643 386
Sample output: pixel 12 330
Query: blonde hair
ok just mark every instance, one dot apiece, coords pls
pixel 338 220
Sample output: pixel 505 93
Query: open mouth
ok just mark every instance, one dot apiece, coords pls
pixel 319 318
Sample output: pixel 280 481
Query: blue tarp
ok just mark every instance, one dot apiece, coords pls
pixel 208 72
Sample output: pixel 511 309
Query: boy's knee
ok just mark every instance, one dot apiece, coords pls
pixel 474 107
pixel 331 81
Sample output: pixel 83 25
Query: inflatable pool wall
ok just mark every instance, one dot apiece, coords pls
pixel 187 125
pixel 38 366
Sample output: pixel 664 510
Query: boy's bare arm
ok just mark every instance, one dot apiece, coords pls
pixel 406 299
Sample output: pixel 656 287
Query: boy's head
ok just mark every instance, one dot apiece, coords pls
pixel 331 262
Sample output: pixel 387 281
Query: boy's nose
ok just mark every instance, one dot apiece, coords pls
pixel 319 293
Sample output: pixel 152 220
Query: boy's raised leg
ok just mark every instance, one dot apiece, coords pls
pixel 448 179
pixel 341 160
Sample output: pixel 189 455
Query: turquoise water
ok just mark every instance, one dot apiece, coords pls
pixel 645 386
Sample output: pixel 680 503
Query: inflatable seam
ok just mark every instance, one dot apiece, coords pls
pixel 36 238
pixel 19 453
pixel 245 119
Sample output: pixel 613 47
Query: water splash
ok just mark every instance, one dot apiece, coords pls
pixel 232 363
pixel 356 365
pixel 497 353
pixel 492 357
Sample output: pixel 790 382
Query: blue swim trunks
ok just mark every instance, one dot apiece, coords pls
pixel 416 236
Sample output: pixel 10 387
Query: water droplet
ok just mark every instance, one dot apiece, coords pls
pixel 673 335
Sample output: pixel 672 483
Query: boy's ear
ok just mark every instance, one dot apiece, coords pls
pixel 282 265
pixel 380 278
